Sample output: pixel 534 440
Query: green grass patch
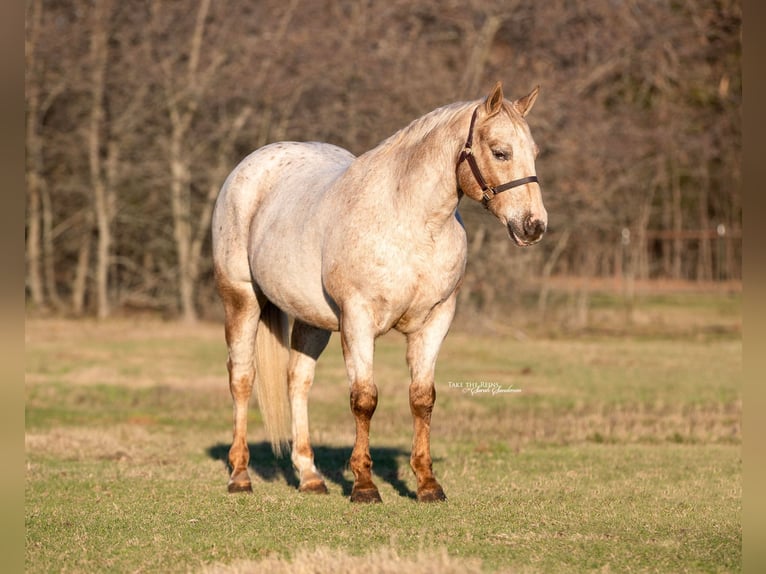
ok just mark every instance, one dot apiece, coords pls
pixel 628 508
pixel 59 404
pixel 611 454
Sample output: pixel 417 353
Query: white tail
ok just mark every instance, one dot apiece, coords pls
pixel 271 353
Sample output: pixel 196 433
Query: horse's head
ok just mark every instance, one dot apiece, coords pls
pixel 497 165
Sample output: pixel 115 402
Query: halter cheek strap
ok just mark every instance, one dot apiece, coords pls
pixel 488 191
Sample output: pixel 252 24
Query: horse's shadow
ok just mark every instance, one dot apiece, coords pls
pixel 331 461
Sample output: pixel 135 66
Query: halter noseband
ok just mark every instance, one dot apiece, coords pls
pixel 488 191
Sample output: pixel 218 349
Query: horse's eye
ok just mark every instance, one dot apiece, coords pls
pixel 500 154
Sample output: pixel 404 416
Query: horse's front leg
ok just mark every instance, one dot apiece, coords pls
pixel 358 342
pixel 422 349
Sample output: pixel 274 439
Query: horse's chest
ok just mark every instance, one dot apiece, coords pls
pixel 421 285
pixel 436 277
pixel 400 278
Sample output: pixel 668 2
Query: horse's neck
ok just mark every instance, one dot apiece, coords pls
pixel 426 188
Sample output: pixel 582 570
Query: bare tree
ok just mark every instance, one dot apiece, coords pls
pixel 102 169
pixel 184 82
pixel 34 143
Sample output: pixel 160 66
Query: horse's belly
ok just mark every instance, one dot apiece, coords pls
pixel 292 281
pixel 309 307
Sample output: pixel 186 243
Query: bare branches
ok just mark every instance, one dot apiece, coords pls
pixel 136 113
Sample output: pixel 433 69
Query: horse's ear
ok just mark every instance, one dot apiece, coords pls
pixel 523 105
pixel 494 101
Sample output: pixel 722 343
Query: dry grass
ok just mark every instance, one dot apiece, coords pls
pixel 132 352
pixel 333 561
pixel 569 391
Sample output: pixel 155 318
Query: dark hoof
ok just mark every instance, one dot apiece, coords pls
pixel 314 487
pixel 240 482
pixel 432 495
pixel 367 495
pixel 240 487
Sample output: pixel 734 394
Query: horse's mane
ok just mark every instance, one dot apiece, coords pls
pixel 418 129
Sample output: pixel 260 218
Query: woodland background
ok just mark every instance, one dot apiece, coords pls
pixel 137 110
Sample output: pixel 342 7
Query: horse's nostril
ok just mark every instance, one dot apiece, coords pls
pixel 533 228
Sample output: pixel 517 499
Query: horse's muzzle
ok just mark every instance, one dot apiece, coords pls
pixel 531 231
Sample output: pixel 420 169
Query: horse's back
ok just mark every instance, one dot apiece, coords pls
pixel 303 165
pixel 280 176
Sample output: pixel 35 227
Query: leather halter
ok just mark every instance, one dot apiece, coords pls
pixel 488 191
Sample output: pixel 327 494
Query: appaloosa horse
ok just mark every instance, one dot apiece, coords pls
pixel 360 245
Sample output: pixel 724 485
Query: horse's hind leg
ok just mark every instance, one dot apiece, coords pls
pixel 422 349
pixel 307 343
pixel 242 312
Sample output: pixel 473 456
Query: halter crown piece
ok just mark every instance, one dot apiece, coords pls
pixel 488 191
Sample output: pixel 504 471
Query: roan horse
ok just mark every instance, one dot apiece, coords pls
pixel 360 245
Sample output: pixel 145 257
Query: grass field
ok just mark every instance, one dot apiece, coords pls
pixel 604 453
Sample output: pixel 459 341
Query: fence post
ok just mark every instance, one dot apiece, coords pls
pixel 721 231
pixel 628 287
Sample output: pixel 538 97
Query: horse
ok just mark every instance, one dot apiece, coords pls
pixel 360 245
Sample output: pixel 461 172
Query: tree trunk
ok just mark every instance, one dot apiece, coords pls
pixel 582 302
pixel 34 278
pixel 219 174
pixel 641 249
pixel 181 111
pixel 179 191
pixel 48 249
pixel 705 254
pixel 542 300
pixel 34 160
pixel 678 242
pixel 98 180
pixel 667 225
pixel 80 283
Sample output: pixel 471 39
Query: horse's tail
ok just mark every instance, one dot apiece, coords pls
pixel 271 353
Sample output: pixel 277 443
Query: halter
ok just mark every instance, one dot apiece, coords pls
pixel 488 191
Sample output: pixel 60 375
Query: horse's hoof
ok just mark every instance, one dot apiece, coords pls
pixel 240 487
pixel 314 487
pixel 432 495
pixel 367 495
pixel 240 482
